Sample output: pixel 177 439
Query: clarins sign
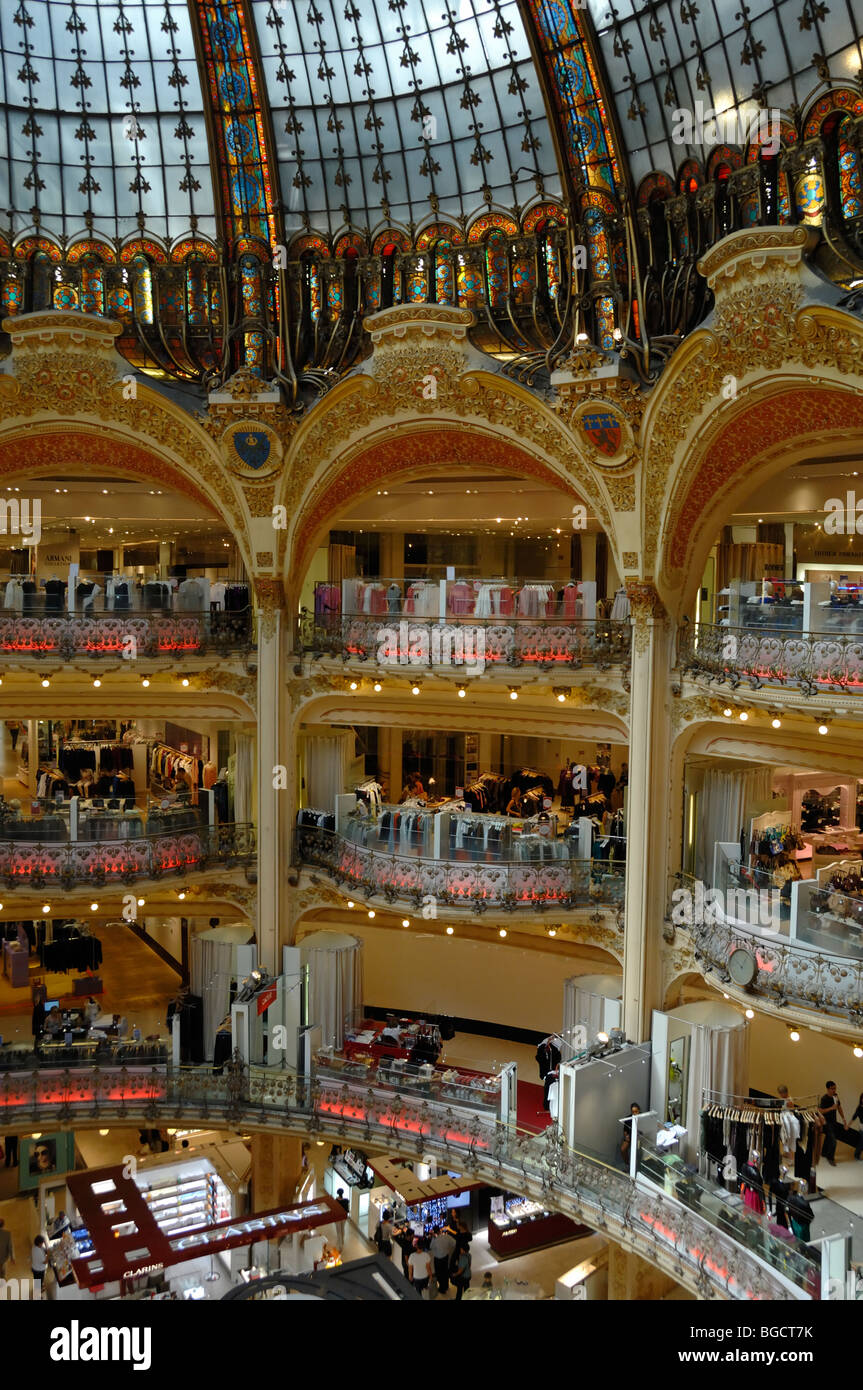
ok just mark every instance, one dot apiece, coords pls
pixel 238 1232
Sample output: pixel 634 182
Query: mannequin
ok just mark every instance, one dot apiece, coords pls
pixel 752 1184
pixel 548 1060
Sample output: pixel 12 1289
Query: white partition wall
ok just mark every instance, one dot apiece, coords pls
pixel 335 962
pixel 696 1049
pixel 591 1001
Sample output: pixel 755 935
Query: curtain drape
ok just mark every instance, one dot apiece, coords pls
pixel 747 561
pixel 213 965
pixel 327 758
pixel 335 964
pixel 718 1061
pixel 243 790
pixel 723 810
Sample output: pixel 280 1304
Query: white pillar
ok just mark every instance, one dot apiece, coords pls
pixel 648 811
pixel 273 801
pixel 588 556
pixel 32 755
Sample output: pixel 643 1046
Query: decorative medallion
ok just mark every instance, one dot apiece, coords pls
pixel 251 449
pixel 604 431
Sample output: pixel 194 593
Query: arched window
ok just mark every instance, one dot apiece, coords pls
pixel 848 161
pixel 388 276
pixel 92 285
pixel 42 271
pixel 142 289
pixel 496 268
pixel 196 291
pixel 442 273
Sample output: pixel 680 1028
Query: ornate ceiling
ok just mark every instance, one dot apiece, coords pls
pixel 664 55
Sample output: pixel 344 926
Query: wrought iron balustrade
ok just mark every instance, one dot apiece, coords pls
pixel 418 644
pixel 501 884
pixel 809 661
pixel 789 970
pixel 44 864
pixel 124 634
pixel 677 1233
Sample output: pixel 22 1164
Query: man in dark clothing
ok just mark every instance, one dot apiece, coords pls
pixel 442 1251
pixel 11 1143
pixel 343 1200
pixel 831 1108
pixel 548 1061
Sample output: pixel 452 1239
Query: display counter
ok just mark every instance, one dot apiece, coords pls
pixel 401 1038
pixel 452 1085
pixel 521 1225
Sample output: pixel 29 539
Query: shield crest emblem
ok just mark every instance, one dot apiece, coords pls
pixel 253 447
pixel 603 431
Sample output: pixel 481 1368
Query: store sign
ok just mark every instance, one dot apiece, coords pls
pixel 238 1233
pixel 266 998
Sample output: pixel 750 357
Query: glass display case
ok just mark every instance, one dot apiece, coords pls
pixel 517 1224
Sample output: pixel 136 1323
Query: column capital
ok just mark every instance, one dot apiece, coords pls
pixel 644 602
pixel 271 599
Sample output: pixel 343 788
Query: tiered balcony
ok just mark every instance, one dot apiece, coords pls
pixel 125 635
pixel 66 864
pixel 810 662
pixel 471 886
pixel 475 627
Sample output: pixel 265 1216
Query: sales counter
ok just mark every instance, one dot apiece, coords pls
pixel 516 1225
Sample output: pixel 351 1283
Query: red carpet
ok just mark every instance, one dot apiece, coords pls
pixel 530 1112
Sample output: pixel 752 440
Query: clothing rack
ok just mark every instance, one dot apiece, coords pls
pixel 747 1112
pixel 370 793
pixel 164 759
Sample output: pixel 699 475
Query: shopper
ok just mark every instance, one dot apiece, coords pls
pixel 626 1141
pixel 6 1251
pixel 442 1250
pixel 421 1268
pixel 515 807
pixel 383 1236
pixel 14 730
pixel 38 994
pixel 342 1200
pixel 11 1143
pixel 38 1264
pixel 830 1107
pixel 92 1011
pixel 858 1115
pixel 461 1273
pixel 463 1236
pixel 404 1239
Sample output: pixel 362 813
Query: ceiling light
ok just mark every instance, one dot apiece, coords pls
pixel 351 902
pixel 97 683
pixel 794 1034
pixel 823 729
pixel 743 716
pixel 513 693
pixel 146 682
pixel 185 680
pixel 462 691
pixel 46 908
pixel 858 1051
pixel 353 685
pixel 602 1037
pixel 181 895
pixel 415 689
pixel 37 1134
pixel 371 912
pixel 552 931
pixel 45 682
pixel 103 1132
pixel 776 722
pixel 450 930
pixel 406 922
pixel 502 932
pixel 141 902
pixel 377 687
pixel 727 712
pixel 749 1013
pixel 94 907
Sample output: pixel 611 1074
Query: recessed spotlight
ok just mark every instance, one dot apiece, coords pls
pixel 513 693
pixel 415 689
pixel 749 1013
pixel 776 722
pixel 353 685
pixel 141 902
pixel 45 682
pixel 46 908
pixel 182 896
pixel 743 716
pixel 450 930
pixel 185 680
pixel 146 682
pixel 94 907
pixel 823 729
pixel 727 712
pixel 794 1034
pixel 377 687
pixel 406 922
pixel 858 1051
pixel 96 683
pixel 552 931
pixel 371 912
pixel 462 691
pixel 103 1132
pixel 502 932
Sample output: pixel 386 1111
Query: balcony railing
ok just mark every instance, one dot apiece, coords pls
pixel 468 643
pixel 127 635
pixel 64 864
pixel 502 885
pixel 807 661
pixel 677 1233
pixel 788 971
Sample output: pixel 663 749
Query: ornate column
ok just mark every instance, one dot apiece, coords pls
pixel 277 1170
pixel 274 772
pixel 647 826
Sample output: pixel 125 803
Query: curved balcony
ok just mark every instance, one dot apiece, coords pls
pixel 806 661
pixel 423 884
pixel 466 642
pixel 64 864
pixel 713 1253
pixel 126 635
pixel 789 972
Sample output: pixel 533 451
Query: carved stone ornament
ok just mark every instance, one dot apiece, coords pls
pixel 270 600
pixel 251 449
pixel 646 607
